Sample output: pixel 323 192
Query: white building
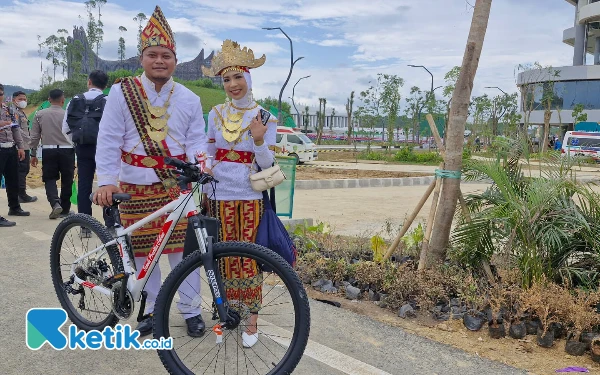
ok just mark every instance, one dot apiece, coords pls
pixel 572 85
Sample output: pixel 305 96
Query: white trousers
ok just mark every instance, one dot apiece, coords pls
pixel 189 290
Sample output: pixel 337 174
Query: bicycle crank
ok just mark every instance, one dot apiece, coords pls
pixel 122 301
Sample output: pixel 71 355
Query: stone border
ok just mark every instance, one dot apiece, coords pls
pixel 362 183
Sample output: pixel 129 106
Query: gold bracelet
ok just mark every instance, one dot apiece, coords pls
pixel 259 143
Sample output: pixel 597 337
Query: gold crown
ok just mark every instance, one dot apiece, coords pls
pixel 232 54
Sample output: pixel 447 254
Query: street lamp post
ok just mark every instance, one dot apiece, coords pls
pixel 292 63
pixel 421 66
pixel 495 87
pixel 294 103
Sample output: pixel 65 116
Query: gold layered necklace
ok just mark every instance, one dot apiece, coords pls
pixel 232 123
pixel 157 117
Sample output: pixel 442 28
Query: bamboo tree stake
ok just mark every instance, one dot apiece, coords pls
pixel 409 221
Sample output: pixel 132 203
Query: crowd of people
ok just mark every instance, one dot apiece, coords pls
pixel 124 139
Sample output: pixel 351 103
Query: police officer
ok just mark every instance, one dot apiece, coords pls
pixel 11 151
pixel 58 155
pixel 20 102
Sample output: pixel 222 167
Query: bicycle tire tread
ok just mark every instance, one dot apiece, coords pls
pixel 219 249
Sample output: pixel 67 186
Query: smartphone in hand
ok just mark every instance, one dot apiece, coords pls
pixel 264 116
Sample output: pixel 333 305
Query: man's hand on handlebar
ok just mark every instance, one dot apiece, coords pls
pixel 103 196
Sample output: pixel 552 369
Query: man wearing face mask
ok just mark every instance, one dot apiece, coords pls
pixel 20 102
pixel 11 151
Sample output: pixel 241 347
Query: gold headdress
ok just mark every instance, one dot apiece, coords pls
pixel 232 55
pixel 158 32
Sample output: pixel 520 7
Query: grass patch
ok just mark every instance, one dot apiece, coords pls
pixel 209 97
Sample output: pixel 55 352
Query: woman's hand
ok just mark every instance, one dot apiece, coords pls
pixel 257 129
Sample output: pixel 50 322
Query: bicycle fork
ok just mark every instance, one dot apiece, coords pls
pixel 228 319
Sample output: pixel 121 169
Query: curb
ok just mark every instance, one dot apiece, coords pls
pixel 362 183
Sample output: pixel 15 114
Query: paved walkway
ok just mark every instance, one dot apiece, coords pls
pixel 368 348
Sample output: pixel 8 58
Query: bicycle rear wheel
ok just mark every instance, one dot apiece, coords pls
pixel 75 236
pixel 283 319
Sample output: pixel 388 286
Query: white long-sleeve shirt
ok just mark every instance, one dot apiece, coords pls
pixel 118 132
pixel 233 177
pixel 89 95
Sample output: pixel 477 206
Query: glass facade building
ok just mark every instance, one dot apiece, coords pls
pixel 567 94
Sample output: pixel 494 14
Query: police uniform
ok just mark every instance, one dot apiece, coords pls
pixel 58 158
pixel 10 141
pixel 24 165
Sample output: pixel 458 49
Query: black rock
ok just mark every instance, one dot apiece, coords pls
pixel 319 283
pixel 352 292
pixel 328 287
pixel 332 303
pixel 406 311
pixel 454 302
pixel 373 296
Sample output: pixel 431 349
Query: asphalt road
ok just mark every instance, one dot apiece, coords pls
pixel 342 342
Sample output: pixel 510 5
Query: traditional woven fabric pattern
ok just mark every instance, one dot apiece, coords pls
pixel 146 199
pixel 131 91
pixel 241 276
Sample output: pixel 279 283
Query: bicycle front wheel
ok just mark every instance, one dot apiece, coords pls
pixel 281 305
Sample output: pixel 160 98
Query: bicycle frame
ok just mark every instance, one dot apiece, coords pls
pixel 184 205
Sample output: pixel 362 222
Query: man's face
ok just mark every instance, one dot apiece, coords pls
pixel 158 63
pixel 20 100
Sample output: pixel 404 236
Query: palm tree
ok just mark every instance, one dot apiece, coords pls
pixel 548 226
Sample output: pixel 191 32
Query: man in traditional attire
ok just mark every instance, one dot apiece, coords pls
pixel 146 119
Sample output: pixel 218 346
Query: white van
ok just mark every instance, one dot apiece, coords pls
pixel 295 144
pixel 582 144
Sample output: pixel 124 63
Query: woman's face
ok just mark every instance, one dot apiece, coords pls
pixel 235 84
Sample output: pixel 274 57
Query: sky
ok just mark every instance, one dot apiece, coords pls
pixel 344 43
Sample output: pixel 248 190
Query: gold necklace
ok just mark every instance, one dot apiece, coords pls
pixel 232 124
pixel 157 117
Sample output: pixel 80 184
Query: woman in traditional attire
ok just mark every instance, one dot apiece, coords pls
pixel 238 142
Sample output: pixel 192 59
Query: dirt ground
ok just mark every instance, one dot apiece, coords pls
pixel 524 354
pixel 34 178
pixel 315 173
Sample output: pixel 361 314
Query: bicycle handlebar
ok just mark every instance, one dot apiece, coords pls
pixel 190 171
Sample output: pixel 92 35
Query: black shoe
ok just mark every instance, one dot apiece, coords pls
pixel 56 211
pixel 65 214
pixel 6 223
pixel 17 212
pixel 195 326
pixel 27 199
pixel 145 326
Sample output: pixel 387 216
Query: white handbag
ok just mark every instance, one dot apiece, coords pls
pixel 266 179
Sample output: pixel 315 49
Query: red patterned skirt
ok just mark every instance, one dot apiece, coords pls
pixel 145 199
pixel 241 276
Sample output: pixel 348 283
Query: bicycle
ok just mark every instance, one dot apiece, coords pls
pixel 108 273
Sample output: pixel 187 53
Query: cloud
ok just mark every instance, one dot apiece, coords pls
pixel 345 42
pixel 29 53
pixel 187 40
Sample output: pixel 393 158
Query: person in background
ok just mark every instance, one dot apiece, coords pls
pixel 81 124
pixel 20 102
pixel 58 160
pixel 11 152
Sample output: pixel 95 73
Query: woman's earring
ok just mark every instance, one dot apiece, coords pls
pixel 251 96
pixel 227 99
